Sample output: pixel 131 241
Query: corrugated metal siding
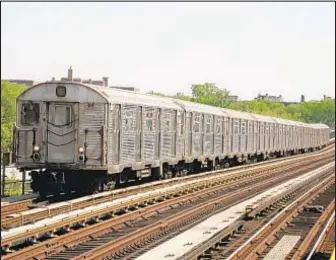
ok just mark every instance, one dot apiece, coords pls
pixel 168 126
pixel 149 133
pixel 128 134
pixel 243 136
pixel 287 137
pixel 267 137
pixel 261 136
pixel 228 136
pixel 188 135
pixel 197 135
pixel 180 136
pixel 91 131
pixel 25 145
pixel 255 137
pixel 208 135
pixel 114 132
pixel 276 138
pixel 271 133
pixel 218 133
pixel 235 135
pixel 250 137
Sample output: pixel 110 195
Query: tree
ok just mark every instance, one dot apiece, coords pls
pixel 210 94
pixel 9 92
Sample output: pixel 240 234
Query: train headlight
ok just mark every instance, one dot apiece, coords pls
pixel 36 156
pixel 81 150
pixel 36 148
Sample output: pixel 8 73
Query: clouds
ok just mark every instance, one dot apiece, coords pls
pixel 282 48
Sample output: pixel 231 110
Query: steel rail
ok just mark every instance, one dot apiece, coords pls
pixel 179 220
pixel 288 195
pixel 77 236
pixel 17 220
pixel 82 218
pixel 326 229
pixel 256 244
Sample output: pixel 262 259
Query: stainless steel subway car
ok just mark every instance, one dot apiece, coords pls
pixel 79 137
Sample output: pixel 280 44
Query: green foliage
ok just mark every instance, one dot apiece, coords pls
pixel 9 92
pixel 210 94
pixel 309 112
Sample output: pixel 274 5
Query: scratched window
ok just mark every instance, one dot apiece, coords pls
pixel 149 125
pixel 208 125
pixel 196 126
pixel 218 126
pixel 30 113
pixel 128 121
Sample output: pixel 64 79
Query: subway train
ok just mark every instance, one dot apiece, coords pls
pixel 86 138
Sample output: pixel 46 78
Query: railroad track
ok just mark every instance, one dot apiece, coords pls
pixel 200 196
pixel 281 236
pixel 14 207
pixel 8 209
pixel 324 246
pixel 40 213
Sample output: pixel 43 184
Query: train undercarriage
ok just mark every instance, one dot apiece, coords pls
pixel 83 182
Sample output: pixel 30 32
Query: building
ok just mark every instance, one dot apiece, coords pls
pixel 232 98
pixel 326 97
pixel 103 82
pixel 25 82
pixel 270 98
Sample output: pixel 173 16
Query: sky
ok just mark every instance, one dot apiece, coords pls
pixel 283 49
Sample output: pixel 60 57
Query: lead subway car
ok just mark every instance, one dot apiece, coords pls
pixel 79 137
pixel 69 135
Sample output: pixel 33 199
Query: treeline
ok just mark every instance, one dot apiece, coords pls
pixel 210 94
pixel 9 92
pixel 308 112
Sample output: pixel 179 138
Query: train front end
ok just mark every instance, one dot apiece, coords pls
pixel 49 140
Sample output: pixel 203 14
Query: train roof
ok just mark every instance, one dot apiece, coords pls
pixel 320 126
pixel 112 95
pixel 200 108
pixel 125 96
pixel 93 93
pixel 237 114
pixel 263 118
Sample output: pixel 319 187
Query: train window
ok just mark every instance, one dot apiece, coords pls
pixel 149 125
pixel 208 125
pixel 218 126
pixel 62 116
pixel 128 126
pixel 262 129
pixel 196 126
pixel 129 113
pixel 30 113
pixel 243 128
pixel 182 123
pixel 149 114
pixel 250 128
pixel 128 121
pixel 60 91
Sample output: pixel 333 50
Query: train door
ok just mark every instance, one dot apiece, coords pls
pixel 61 132
pixel 226 136
pixel 138 134
pixel 188 134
